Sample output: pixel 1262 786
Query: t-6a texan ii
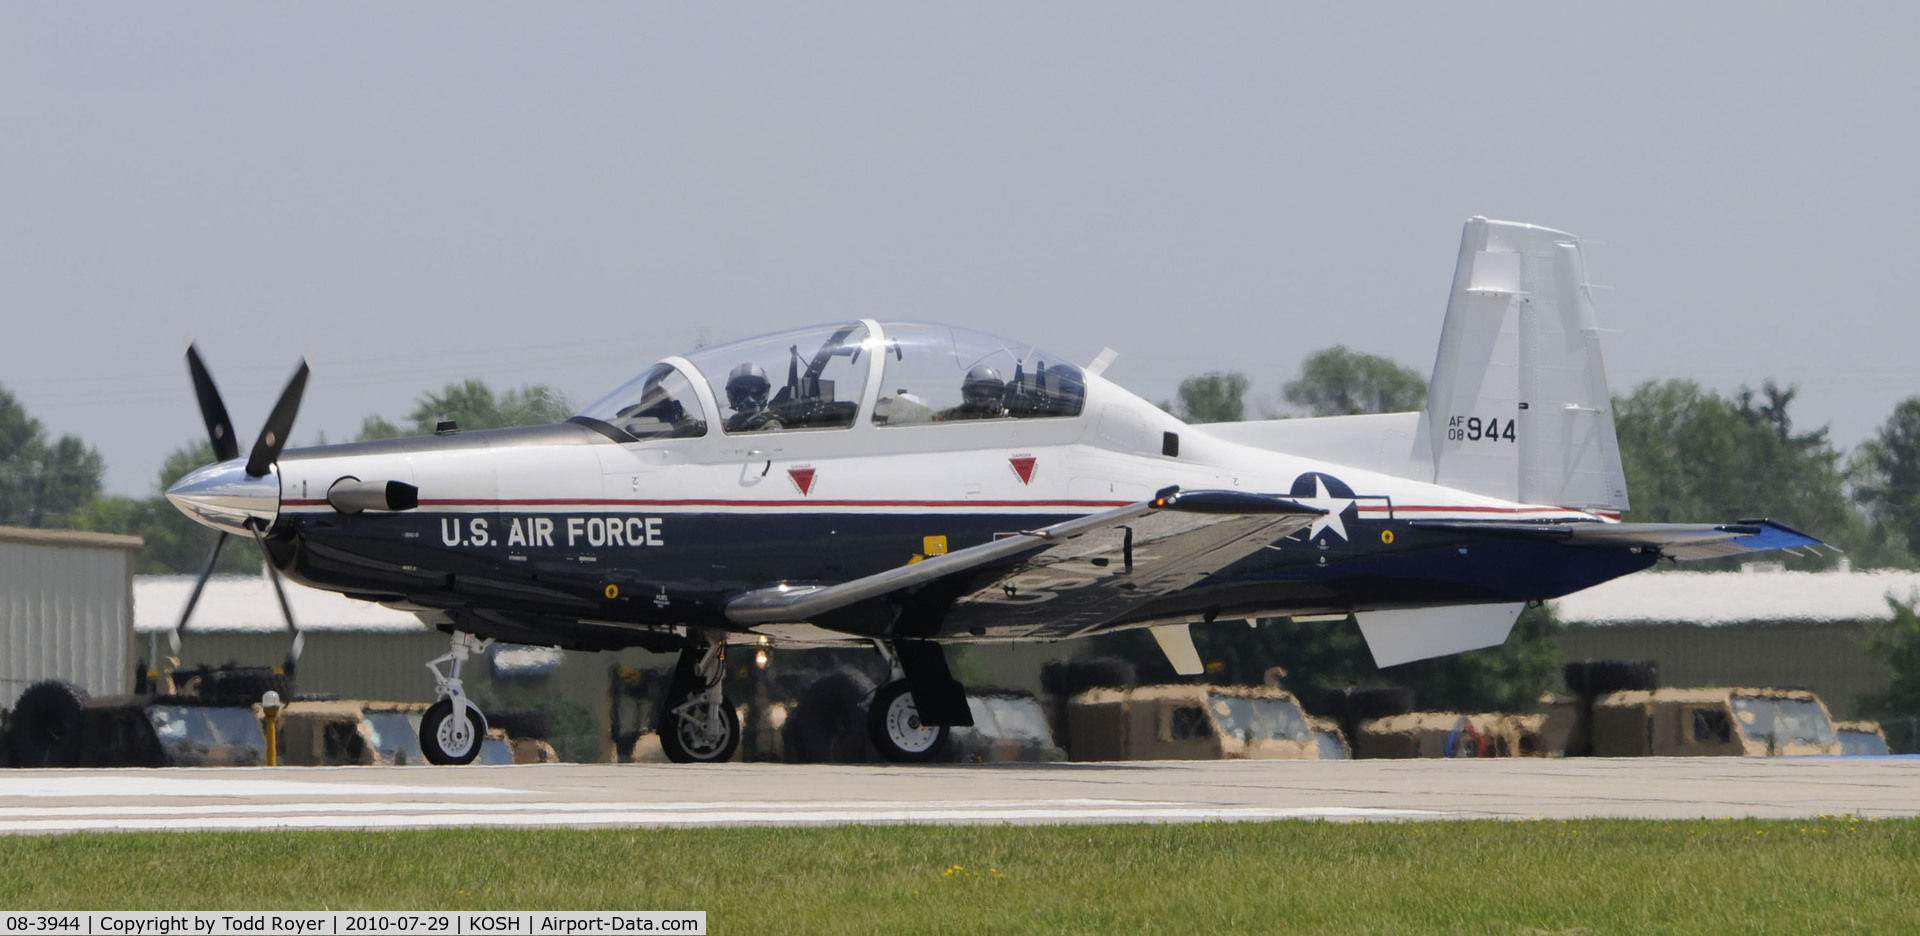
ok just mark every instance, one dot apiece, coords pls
pixel 907 485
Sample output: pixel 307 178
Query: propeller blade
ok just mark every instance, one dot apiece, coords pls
pixel 286 610
pixel 214 412
pixel 173 636
pixel 273 436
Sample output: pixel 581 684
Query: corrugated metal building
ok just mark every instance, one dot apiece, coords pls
pixel 66 609
pixel 1760 627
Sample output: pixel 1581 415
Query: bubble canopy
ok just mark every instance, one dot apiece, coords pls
pixel 815 378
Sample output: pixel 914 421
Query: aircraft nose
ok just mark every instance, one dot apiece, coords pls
pixel 224 497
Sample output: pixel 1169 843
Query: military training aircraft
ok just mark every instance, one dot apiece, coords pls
pixel 904 485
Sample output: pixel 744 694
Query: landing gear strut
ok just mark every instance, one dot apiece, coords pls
pixel 893 720
pixel 452 729
pixel 699 725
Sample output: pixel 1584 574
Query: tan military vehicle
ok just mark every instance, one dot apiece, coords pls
pixel 1196 723
pixel 1380 722
pixel 1861 739
pixel 1447 734
pixel 1690 723
pixel 327 734
pixel 341 733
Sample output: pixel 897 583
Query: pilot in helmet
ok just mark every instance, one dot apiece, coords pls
pixel 747 387
pixel 982 396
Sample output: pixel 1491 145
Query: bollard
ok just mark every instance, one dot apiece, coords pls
pixel 270 708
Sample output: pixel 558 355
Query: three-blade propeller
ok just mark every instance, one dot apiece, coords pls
pixel 266 450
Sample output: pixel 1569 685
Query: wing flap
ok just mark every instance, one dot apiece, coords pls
pixel 1054 581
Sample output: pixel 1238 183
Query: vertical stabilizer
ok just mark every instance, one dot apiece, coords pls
pixel 1519 406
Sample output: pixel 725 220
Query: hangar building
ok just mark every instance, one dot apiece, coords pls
pixel 1759 627
pixel 66 609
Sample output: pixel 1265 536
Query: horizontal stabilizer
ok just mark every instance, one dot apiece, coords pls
pixel 1397 637
pixel 1672 540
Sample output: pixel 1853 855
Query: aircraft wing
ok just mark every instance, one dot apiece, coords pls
pixel 1050 582
pixel 1673 540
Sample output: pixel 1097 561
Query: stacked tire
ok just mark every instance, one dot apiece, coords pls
pixel 46 725
pixel 828 724
pixel 1588 680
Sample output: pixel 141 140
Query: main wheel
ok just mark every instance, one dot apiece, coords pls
pixel 448 740
pixel 893 722
pixel 699 732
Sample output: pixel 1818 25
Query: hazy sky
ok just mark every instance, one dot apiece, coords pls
pixel 415 193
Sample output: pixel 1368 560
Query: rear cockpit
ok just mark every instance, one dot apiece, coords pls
pixel 822 377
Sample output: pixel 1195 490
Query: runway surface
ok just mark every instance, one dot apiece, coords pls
pixel 42 801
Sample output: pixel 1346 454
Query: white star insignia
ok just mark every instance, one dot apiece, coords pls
pixel 1334 507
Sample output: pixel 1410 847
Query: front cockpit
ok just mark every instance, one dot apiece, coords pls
pixel 838 376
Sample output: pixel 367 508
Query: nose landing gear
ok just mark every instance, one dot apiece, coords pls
pixel 452 729
pixel 699 725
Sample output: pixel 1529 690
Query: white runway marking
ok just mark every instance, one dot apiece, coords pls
pixel 768 795
pixel 445 815
pixel 222 809
pixel 141 784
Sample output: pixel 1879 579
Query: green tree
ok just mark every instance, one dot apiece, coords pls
pixel 1337 381
pixel 473 405
pixel 378 427
pixel 1216 396
pixel 1885 473
pixel 1692 456
pixel 1896 642
pixel 42 483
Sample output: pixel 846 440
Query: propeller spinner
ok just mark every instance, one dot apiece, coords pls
pixel 233 496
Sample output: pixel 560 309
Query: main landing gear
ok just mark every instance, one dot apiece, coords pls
pixel 698 724
pixel 896 724
pixel 452 729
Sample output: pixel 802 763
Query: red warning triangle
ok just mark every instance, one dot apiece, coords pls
pixel 1023 466
pixel 802 479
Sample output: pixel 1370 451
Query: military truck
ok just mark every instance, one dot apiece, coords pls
pixel 202 719
pixel 168 731
pixel 1380 722
pixel 335 733
pixel 1617 709
pixel 1008 727
pixel 1447 734
pixel 1861 739
pixel 1196 722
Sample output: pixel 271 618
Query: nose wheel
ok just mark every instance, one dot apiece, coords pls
pixel 699 725
pixel 452 729
pixel 893 723
pixel 447 738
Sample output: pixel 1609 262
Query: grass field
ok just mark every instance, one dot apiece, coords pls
pixel 1822 876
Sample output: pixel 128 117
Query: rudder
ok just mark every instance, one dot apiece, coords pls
pixel 1519 407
